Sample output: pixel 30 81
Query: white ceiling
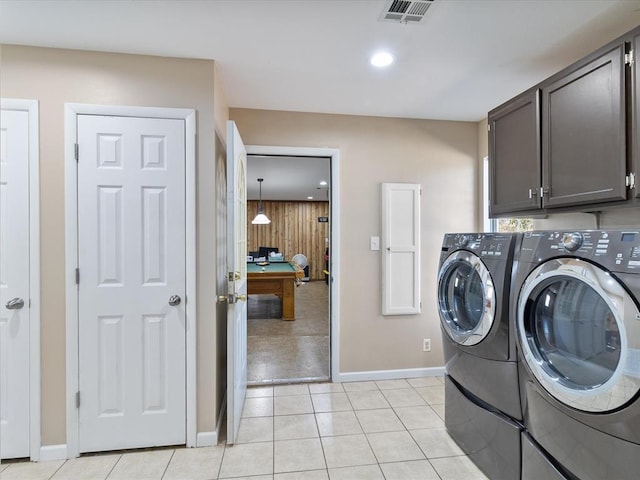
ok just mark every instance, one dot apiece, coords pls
pixel 288 178
pixel 465 58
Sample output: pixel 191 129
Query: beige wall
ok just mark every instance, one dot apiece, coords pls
pixel 55 76
pixel 442 157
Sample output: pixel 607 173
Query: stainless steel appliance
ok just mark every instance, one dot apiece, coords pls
pixel 482 401
pixel 575 298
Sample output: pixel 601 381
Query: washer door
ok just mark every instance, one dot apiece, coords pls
pixel 574 321
pixel 466 298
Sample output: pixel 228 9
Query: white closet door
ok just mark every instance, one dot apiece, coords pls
pixel 14 284
pixel 131 242
pixel 401 248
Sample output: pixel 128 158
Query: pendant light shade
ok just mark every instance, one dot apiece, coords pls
pixel 261 218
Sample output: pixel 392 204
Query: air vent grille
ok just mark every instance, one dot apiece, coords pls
pixel 405 11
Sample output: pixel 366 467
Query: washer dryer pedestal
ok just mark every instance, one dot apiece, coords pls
pixel 489 438
pixel 535 463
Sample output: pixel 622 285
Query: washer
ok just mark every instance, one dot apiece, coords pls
pixel 578 328
pixel 482 399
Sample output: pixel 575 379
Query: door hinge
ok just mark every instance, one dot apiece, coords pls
pixel 488 127
pixel 78 399
pixel 77 276
pixel 628 58
pixel 630 180
pixel 76 153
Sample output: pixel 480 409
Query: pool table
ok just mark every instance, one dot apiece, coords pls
pixel 278 278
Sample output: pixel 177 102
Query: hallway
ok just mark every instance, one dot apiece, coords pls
pixel 285 351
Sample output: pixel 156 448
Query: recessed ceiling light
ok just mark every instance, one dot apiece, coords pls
pixel 323 183
pixel 381 59
pixel 309 198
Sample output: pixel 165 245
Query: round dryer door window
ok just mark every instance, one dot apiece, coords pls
pixel 466 298
pixel 574 321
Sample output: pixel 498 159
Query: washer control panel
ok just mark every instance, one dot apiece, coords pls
pixel 616 249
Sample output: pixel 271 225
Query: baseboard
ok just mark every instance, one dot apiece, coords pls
pixel 53 452
pixel 206 439
pixel 390 374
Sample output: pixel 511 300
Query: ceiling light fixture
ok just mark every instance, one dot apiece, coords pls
pixel 323 183
pixel 261 218
pixel 381 59
pixel 309 198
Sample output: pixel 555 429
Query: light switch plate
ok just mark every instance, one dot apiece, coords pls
pixel 374 243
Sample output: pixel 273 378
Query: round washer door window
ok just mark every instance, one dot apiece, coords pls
pixel 573 323
pixel 466 298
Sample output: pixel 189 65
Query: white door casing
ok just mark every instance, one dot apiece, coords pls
pixel 19 281
pixel 334 259
pixel 237 278
pixel 130 345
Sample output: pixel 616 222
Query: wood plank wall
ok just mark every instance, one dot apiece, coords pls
pixel 294 228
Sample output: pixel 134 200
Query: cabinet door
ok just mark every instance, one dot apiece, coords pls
pixel 635 112
pixel 583 133
pixel 514 155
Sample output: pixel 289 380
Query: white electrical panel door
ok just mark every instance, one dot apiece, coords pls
pixel 401 248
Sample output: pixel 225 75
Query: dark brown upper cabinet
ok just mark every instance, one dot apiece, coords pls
pixel 634 126
pixel 514 155
pixel 583 136
pixel 570 143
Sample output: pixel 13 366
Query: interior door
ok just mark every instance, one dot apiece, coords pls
pixel 132 281
pixel 237 277
pixel 14 284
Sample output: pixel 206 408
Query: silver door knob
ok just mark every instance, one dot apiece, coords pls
pixel 15 304
pixel 174 300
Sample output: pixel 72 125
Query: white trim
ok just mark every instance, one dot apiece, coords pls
pixel 31 107
pixel 207 439
pixel 334 258
pixel 71 256
pixel 391 374
pixel 49 453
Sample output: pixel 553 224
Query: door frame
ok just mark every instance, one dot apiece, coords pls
pixel 72 110
pixel 32 109
pixel 334 235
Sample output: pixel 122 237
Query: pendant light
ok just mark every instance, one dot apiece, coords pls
pixel 261 218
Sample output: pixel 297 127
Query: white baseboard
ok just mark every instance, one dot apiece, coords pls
pixel 53 452
pixel 390 374
pixel 206 439
pixel 210 439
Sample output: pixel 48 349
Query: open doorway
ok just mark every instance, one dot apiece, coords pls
pixel 289 333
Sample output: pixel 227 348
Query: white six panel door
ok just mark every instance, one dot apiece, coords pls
pixel 14 284
pixel 131 257
pixel 237 267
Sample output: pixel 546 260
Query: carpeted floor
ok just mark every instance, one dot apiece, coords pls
pixel 282 351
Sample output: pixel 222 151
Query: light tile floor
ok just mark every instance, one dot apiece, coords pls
pixel 389 430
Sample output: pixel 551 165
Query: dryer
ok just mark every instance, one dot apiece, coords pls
pixel 482 401
pixel 575 299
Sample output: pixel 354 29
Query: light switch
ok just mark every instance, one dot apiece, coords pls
pixel 374 243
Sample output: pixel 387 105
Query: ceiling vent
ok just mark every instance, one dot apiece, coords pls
pixel 405 11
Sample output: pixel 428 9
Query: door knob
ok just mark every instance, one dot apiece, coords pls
pixel 222 299
pixel 174 300
pixel 15 304
pixel 241 297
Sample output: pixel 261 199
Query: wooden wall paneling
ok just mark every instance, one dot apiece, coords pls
pixel 294 228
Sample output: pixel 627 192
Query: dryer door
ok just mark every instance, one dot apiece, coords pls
pixel 578 334
pixel 466 298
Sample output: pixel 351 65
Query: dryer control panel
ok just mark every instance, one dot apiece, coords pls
pixel 486 245
pixel 615 249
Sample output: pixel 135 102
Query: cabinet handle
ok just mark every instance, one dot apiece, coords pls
pixel 532 193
